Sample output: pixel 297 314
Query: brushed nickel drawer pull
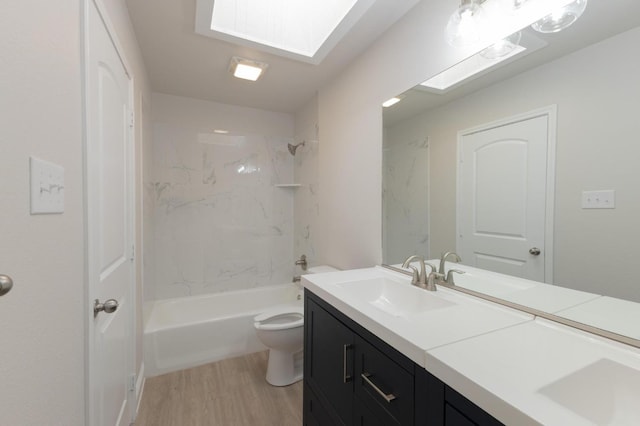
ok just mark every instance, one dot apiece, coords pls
pixel 388 397
pixel 345 377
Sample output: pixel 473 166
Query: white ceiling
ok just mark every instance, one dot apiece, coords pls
pixel 181 62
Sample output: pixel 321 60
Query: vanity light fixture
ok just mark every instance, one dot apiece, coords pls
pixel 466 24
pixel 391 102
pixel 481 23
pixel 221 131
pixel 247 69
pixel 561 18
pixel 503 47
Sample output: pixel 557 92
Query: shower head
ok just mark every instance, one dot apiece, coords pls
pixel 293 148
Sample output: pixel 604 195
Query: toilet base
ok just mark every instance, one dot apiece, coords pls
pixel 284 368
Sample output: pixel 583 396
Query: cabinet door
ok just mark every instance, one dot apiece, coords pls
pixel 364 416
pixel 328 362
pixel 458 408
pixel 384 386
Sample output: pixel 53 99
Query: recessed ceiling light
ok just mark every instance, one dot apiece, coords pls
pixel 392 101
pixel 247 69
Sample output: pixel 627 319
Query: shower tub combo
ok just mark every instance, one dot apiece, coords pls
pixel 189 331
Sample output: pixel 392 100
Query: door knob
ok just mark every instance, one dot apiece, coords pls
pixel 534 251
pixel 6 284
pixel 109 306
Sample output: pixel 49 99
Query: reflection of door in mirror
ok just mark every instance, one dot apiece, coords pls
pixel 502 196
pixel 405 200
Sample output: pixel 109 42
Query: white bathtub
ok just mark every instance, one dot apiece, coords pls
pixel 189 331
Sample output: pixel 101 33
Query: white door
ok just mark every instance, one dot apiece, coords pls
pixel 109 225
pixel 504 196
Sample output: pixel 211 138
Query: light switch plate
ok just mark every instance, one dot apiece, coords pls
pixel 47 187
pixel 605 199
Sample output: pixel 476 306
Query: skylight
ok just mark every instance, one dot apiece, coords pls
pixel 305 30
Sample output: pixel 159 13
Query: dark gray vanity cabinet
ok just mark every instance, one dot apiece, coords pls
pixel 352 377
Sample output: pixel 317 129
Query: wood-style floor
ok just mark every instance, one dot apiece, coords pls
pixel 232 392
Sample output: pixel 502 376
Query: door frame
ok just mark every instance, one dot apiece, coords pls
pixel 550 112
pixel 89 283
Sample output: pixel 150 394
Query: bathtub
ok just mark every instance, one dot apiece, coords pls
pixel 190 331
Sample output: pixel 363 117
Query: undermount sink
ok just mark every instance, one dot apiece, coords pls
pixel 396 298
pixel 604 392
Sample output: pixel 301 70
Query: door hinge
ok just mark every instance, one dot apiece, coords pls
pixel 133 253
pixel 132 383
pixel 132 118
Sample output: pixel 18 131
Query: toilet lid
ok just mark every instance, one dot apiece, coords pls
pixel 280 318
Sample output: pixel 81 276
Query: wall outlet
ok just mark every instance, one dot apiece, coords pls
pixel 605 199
pixel 47 187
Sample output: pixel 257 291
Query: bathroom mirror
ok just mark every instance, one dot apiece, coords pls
pixel 587 76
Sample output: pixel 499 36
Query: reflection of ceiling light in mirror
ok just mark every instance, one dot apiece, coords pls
pixel 392 101
pixel 247 69
pixel 503 47
pixel 479 64
pixel 248 169
pixel 561 18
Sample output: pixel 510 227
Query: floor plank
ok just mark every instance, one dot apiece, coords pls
pixel 231 392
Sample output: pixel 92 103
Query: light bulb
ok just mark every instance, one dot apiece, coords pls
pixel 466 24
pixel 561 18
pixel 502 47
pixel 511 6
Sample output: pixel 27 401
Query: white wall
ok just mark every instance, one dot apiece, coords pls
pixel 220 222
pixel 42 372
pixel 597 148
pixel 350 121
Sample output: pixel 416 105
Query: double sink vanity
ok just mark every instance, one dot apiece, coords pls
pixel 381 351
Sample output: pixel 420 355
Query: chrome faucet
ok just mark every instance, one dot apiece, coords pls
pixel 450 275
pixel 443 259
pixel 441 276
pixel 421 279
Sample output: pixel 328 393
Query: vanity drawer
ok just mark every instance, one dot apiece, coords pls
pixel 383 385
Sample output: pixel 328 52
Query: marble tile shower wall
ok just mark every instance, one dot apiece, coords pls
pixel 221 224
pixel 405 171
pixel 307 205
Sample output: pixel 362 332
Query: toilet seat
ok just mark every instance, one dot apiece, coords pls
pixel 280 318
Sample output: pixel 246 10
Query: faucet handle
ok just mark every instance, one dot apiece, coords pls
pixel 450 275
pixel 302 262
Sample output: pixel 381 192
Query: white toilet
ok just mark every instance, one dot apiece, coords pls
pixel 281 330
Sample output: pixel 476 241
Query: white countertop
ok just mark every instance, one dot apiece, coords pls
pixel 458 316
pixel 519 369
pixel 544 372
